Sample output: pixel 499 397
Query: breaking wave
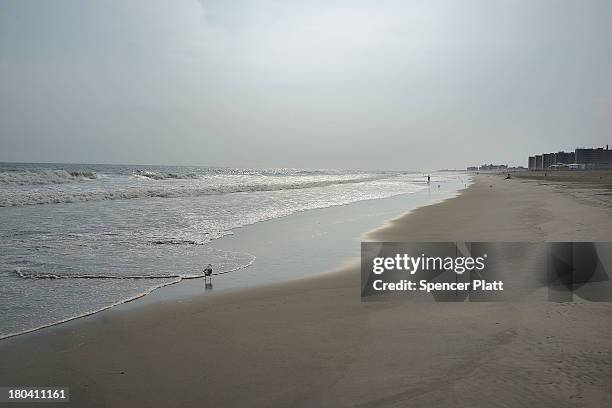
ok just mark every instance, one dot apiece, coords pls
pixel 43 177
pixel 144 174
pixel 195 189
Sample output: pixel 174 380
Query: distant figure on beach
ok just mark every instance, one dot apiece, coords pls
pixel 208 273
pixel 508 177
pixel 428 179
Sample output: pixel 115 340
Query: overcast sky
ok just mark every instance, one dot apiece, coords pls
pixel 329 84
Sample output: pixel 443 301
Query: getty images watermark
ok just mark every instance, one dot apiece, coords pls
pixel 487 271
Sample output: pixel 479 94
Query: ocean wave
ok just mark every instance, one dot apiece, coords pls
pixel 42 177
pixel 176 242
pixel 37 197
pixel 46 275
pixel 151 175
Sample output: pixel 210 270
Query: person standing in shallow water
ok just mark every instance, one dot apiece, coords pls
pixel 428 179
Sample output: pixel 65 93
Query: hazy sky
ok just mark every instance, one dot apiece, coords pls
pixel 344 84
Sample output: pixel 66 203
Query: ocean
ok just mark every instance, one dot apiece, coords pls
pixel 77 238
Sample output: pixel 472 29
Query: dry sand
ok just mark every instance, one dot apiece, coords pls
pixel 312 343
pixel 595 178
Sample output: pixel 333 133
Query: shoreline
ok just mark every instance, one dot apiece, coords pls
pixel 181 288
pixel 312 341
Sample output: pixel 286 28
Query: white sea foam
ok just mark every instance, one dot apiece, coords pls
pixel 190 186
pixel 42 177
pixel 145 174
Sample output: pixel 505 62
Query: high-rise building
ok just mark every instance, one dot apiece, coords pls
pixel 539 162
pixel 599 158
pixel 532 163
pixel 565 158
pixel 548 160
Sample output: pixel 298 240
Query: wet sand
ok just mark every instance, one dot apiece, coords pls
pixel 312 342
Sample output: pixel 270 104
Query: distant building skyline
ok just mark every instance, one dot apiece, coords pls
pixel 580 158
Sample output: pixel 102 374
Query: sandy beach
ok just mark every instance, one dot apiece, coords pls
pixel 311 342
